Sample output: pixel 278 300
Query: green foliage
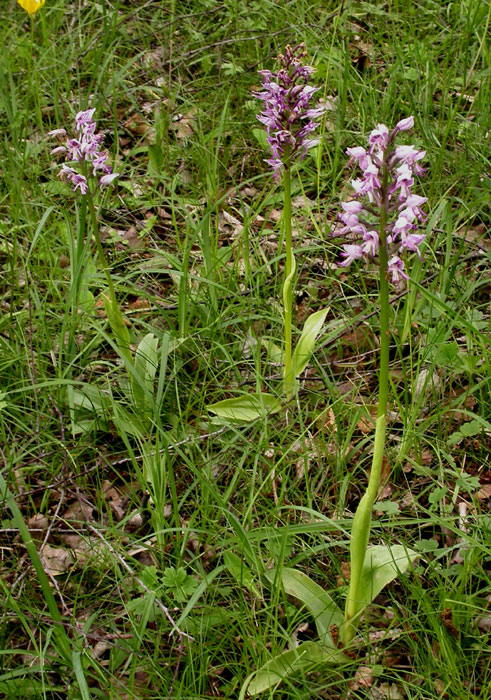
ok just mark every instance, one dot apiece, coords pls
pixel 306 343
pixel 91 444
pixel 246 408
pixel 179 583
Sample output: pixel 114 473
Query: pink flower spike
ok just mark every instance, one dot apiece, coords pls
pixel 58 149
pixel 108 179
pixel 405 124
pixel 350 253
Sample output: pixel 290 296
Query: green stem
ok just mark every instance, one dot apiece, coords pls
pixel 360 531
pixel 289 379
pixel 116 317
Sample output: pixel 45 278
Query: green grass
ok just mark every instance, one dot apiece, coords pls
pixel 191 231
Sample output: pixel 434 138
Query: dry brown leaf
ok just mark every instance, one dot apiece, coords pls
pixel 364 678
pixel 484 492
pixel 78 512
pixel 56 560
pixel 137 125
pixel 116 500
pixel 183 124
pixel 37 525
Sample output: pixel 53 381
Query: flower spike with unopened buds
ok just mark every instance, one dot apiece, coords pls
pixel 289 114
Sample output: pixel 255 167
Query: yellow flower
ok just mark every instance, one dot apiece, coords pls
pixel 31 6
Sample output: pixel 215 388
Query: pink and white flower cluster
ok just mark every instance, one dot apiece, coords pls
pixel 289 115
pixel 85 147
pixel 388 176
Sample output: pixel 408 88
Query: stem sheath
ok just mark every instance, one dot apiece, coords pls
pixel 360 532
pixel 289 379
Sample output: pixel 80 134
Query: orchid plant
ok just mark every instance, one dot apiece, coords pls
pixel 381 226
pixel 290 116
pixel 87 169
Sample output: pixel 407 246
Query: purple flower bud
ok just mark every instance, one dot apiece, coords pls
pixel 57 132
pixel 405 124
pixel 108 179
pixel 353 207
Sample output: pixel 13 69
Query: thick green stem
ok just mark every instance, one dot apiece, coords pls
pixel 289 379
pixel 360 531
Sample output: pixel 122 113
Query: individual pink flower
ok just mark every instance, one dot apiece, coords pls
pixel 379 138
pixel 351 253
pixel 396 269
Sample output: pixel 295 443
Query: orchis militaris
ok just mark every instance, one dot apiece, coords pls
pixel 87 169
pixel 382 228
pixel 289 117
pixel 381 225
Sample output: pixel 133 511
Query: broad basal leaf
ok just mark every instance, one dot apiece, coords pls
pixel 303 658
pixel 306 342
pixel 246 408
pixel 146 362
pixel 382 565
pixel 316 599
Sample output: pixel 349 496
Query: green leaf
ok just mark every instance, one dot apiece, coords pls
pixel 242 574
pixel 304 657
pixel 471 428
pixel 306 342
pixel 90 399
pixel 246 408
pixel 146 363
pixel 275 354
pixel 261 137
pixel 388 507
pixel 178 582
pixel 155 159
pixel 315 598
pixel 118 327
pixel 381 566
